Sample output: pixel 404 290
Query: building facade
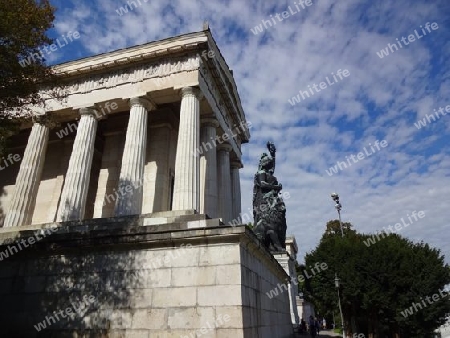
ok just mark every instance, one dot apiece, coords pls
pixel 114 222
pixel 156 127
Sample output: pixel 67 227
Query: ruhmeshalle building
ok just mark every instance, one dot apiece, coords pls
pixel 114 221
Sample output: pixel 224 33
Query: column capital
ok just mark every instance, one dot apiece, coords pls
pixel 45 120
pixel 224 147
pixel 142 101
pixel 89 111
pixel 236 164
pixel 209 122
pixel 194 91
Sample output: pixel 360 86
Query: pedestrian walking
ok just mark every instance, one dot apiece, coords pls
pixel 312 326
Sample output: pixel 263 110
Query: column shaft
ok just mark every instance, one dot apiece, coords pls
pixel 76 184
pixel 23 199
pixel 131 178
pixel 236 190
pixel 224 183
pixel 157 173
pixel 208 168
pixel 187 162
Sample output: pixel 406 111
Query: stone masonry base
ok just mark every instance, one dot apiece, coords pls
pixel 187 276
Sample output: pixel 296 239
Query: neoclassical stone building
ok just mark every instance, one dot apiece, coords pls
pixel 123 196
pixel 151 128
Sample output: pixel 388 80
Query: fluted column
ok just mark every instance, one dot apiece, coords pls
pixel 236 188
pixel 208 168
pixel 76 183
pixel 187 162
pixel 23 199
pixel 131 178
pixel 224 179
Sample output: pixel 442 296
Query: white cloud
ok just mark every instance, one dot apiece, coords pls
pixel 379 100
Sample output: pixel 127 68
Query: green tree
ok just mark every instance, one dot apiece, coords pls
pixel 379 282
pixel 23 27
pixel 334 228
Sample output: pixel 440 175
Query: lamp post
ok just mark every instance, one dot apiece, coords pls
pixel 337 285
pixel 338 207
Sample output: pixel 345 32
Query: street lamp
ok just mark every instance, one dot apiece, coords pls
pixel 338 207
pixel 337 285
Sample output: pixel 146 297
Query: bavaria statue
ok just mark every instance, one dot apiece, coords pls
pixel 269 210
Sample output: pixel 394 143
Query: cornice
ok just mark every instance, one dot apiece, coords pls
pixel 122 57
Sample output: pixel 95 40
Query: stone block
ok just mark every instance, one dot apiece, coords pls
pixel 227 333
pixel 229 274
pixel 159 278
pixel 155 319
pixel 121 319
pixel 128 334
pixel 187 334
pixel 212 255
pixel 182 257
pixel 195 318
pixel 194 276
pixel 154 221
pixel 197 224
pixel 219 295
pixel 141 298
pixel 175 297
pixel 229 317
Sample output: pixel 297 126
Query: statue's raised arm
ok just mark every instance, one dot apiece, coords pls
pixel 272 151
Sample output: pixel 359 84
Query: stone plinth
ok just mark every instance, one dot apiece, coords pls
pixel 138 279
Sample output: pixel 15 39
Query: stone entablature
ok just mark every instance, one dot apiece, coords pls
pixel 146 86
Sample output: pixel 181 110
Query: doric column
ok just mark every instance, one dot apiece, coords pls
pixel 156 191
pixel 23 199
pixel 208 168
pixel 224 179
pixel 131 178
pixel 236 188
pixel 76 183
pixel 187 162
pixel 108 179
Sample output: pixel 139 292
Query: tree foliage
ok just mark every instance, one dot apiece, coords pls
pixel 379 282
pixel 334 227
pixel 23 27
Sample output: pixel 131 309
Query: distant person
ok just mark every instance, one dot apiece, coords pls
pixel 312 326
pixel 324 324
pixel 303 326
pixel 317 325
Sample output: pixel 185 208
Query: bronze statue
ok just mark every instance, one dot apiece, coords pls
pixel 269 210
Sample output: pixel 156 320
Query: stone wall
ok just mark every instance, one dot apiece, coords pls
pixel 119 278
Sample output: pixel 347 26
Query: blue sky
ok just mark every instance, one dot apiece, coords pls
pixel 381 99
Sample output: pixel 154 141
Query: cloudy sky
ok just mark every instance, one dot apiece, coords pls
pixel 382 97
